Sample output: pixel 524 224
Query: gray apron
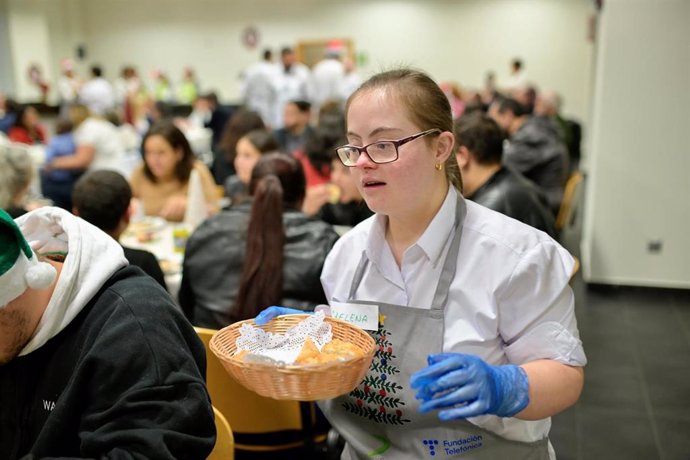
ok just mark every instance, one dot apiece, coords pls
pixel 379 418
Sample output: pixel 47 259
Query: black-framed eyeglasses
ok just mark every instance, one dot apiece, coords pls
pixel 379 152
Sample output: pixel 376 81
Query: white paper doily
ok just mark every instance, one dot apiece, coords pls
pixel 284 348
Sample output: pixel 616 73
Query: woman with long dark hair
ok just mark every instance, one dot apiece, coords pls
pixel 162 180
pixel 241 123
pixel 249 149
pixel 27 128
pixel 257 253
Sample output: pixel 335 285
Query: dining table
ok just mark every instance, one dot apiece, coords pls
pixel 165 240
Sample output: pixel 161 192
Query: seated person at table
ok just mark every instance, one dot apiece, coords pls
pixel 249 149
pixel 27 128
pixel 214 115
pixel 161 182
pixel 534 149
pixel 242 122
pixel 316 157
pixel 95 360
pixel 296 128
pixel 339 202
pixel 16 173
pixel 258 253
pixel 487 181
pixel 57 184
pixel 102 198
pixel 8 113
pixel 99 144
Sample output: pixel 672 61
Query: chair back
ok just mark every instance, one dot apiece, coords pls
pixel 258 423
pixel 220 191
pixel 569 202
pixel 225 443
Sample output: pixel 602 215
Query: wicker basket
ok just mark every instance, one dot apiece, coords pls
pixel 300 383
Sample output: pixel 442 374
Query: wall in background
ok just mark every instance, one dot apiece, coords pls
pixel 6 67
pixel 40 32
pixel 639 165
pixel 29 45
pixel 452 40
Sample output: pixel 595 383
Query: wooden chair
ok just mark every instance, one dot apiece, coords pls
pixel 259 424
pixel 569 201
pixel 220 191
pixel 225 443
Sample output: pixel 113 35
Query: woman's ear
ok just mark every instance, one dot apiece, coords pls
pixel 445 144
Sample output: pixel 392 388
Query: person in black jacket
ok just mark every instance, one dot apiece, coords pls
pixel 102 198
pixel 487 181
pixel 95 361
pixel 338 202
pixel 535 148
pixel 296 130
pixel 262 252
pixel 346 207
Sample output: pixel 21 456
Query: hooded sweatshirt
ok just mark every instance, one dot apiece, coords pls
pixel 113 371
pixel 93 258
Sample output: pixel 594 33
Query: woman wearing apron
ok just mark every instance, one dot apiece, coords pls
pixel 477 339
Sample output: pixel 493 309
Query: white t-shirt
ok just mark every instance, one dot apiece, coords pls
pixel 258 90
pixel 104 137
pixel 98 95
pixel 291 86
pixel 349 84
pixel 327 76
pixel 67 87
pixel 517 81
pixel 509 302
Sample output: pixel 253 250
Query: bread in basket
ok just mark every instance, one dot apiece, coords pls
pixel 296 382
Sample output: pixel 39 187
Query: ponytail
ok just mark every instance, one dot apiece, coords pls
pixel 261 283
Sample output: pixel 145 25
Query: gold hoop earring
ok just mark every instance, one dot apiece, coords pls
pixel 439 166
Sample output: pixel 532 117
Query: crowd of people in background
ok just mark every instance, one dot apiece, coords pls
pixel 514 148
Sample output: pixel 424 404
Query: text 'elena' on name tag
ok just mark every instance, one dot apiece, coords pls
pixel 364 316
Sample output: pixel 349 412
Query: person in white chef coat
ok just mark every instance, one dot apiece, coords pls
pixel 477 338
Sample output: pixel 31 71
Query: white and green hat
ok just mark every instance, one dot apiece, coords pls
pixel 20 268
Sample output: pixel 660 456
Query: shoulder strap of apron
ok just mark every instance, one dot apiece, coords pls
pixel 449 265
pixel 451 262
pixel 359 274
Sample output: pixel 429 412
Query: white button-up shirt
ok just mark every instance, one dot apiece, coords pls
pixel 509 302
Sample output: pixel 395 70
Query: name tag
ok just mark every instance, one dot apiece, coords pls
pixel 364 316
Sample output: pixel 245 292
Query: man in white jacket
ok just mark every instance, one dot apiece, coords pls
pixel 95 361
pixel 258 89
pixel 97 93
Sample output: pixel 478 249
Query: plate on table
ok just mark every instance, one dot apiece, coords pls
pixel 145 228
pixel 170 266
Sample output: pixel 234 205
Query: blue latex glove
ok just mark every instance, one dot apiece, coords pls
pixel 271 312
pixel 467 386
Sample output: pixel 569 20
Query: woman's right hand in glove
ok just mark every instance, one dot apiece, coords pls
pixel 271 312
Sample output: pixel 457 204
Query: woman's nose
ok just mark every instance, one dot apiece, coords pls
pixel 364 161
